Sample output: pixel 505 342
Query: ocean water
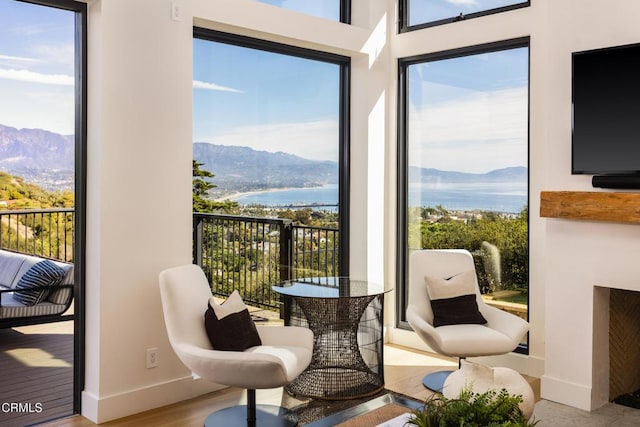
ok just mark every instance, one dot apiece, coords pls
pixel 486 196
pixel 325 196
pixel 497 197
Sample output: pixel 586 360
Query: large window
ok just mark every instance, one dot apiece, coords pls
pixel 416 14
pixel 463 175
pixel 335 10
pixel 271 124
pixel 42 169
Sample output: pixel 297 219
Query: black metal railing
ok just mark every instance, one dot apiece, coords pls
pixel 251 254
pixel 314 252
pixel 43 232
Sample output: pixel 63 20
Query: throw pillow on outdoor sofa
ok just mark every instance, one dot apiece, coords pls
pixel 229 325
pixel 37 282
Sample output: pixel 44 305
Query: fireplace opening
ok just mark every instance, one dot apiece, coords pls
pixel 631 400
pixel 624 351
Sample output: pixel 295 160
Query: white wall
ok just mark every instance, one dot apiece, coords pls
pixel 138 210
pixel 139 176
pixel 579 255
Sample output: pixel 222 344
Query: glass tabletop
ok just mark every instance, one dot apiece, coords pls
pixel 329 287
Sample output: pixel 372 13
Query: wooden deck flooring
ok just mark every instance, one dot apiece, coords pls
pixel 36 371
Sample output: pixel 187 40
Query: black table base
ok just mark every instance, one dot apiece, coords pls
pixel 335 384
pixel 347 356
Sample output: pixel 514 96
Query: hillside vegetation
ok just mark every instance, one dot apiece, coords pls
pixel 15 193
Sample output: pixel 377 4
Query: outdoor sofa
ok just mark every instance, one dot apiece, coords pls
pixel 55 299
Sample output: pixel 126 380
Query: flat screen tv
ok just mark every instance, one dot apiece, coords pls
pixel 606 115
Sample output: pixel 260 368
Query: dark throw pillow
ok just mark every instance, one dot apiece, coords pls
pixel 453 300
pixel 42 275
pixel 229 325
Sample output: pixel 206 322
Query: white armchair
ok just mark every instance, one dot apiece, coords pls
pixel 500 335
pixel 285 351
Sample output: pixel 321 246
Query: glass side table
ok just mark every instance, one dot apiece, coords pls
pixel 346 317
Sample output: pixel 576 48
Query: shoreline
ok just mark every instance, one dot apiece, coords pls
pixel 240 194
pixel 505 209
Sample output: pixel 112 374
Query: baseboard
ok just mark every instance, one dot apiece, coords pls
pixel 566 393
pixel 525 364
pixel 108 408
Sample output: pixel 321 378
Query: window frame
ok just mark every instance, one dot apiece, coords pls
pixel 80 183
pixel 402 258
pixel 344 12
pixel 344 150
pixel 403 15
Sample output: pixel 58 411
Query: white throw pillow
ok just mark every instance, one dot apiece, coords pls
pixel 460 284
pixel 233 304
pixel 453 300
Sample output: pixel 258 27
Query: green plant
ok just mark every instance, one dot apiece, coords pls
pixel 488 409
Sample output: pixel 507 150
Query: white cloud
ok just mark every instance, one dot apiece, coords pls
pixel 18 62
pixel 475 115
pixel 197 84
pixel 49 107
pixel 476 132
pixel 60 53
pixel 316 140
pixel 31 30
pixel 17 58
pixel 33 77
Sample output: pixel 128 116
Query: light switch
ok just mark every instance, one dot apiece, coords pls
pixel 176 11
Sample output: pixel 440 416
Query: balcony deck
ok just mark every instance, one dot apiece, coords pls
pixel 36 368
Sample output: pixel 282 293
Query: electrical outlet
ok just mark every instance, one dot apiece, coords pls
pixel 152 358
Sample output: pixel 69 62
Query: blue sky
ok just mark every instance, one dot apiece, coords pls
pixel 266 101
pixel 470 113
pixel 278 102
pixel 467 114
pixel 329 9
pixel 421 11
pixel 36 67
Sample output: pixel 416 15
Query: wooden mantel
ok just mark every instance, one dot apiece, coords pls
pixel 591 205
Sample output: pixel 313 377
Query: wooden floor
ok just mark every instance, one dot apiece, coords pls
pixel 36 366
pixel 36 371
pixel 404 369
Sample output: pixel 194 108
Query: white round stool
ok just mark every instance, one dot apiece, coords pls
pixel 480 378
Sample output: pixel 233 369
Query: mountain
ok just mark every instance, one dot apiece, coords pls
pixel 35 149
pixel 47 159
pixel 243 168
pixel 39 156
pixel 428 175
pixel 246 169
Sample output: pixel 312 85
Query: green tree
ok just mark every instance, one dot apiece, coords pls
pixel 201 189
pixel 509 235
